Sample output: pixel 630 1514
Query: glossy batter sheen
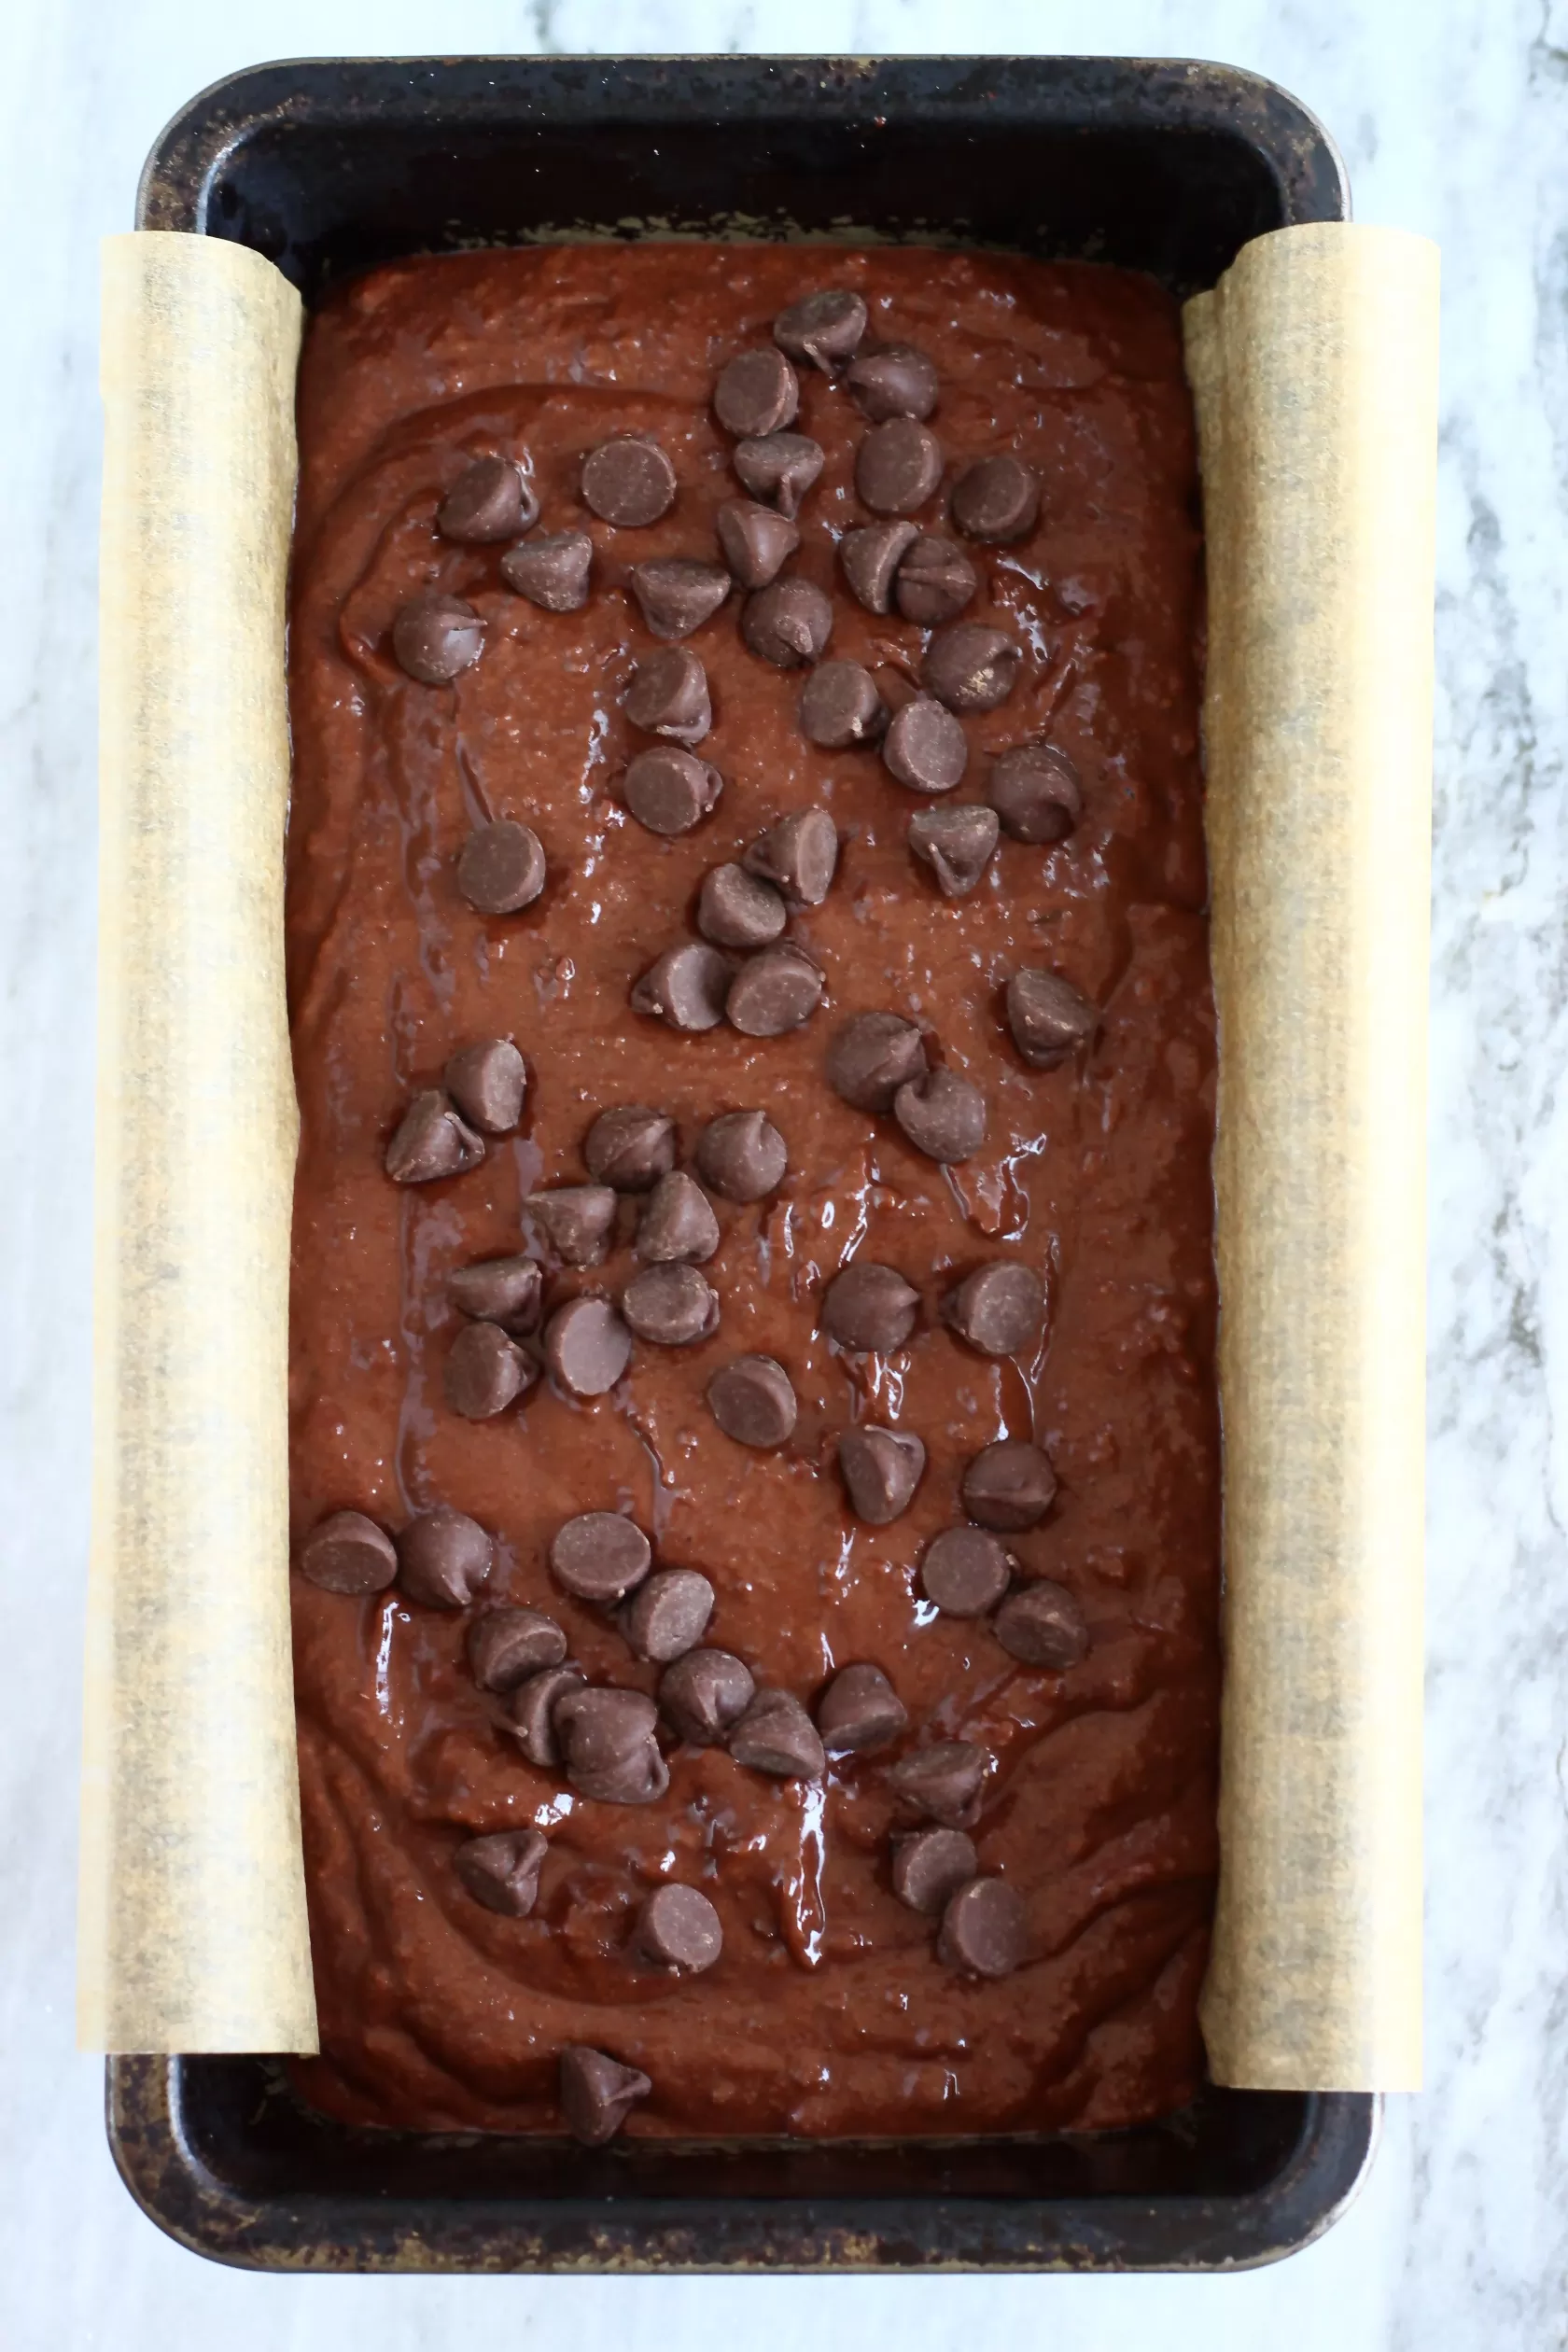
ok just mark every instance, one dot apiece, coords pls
pixel 829 2013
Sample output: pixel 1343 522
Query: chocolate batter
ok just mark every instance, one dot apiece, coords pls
pixel 835 2006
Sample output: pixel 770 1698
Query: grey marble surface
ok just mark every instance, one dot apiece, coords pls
pixel 1453 118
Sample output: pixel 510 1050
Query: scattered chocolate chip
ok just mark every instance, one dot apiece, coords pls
pixel 607 1740
pixel 997 498
pixel 1035 791
pixel 756 542
pixel 756 393
pixel 752 1400
pixel 787 624
pixel 999 1309
pixel 860 1709
pixel 671 1306
pixel 668 1615
pixel 506 1646
pixel 930 1867
pixel 600 1556
pixel 775 1735
pixel 898 466
pixel 678 1226
pixel 501 867
pixel 531 1713
pixel 431 1141
pixel 823 329
pixel 925 747
pixel 881 1469
pixel 504 1290
pixel 957 841
pixel 688 986
pixel 943 1115
pixel 434 636
pixel 502 1870
pixel 587 1346
pixel 485 1372
pixel 630 1147
pixel 1009 1485
pixel 443 1558
pixel 776 991
pixel 870 1307
pixel 552 571
pixel 893 381
pixel 489 500
pixel 971 666
pixel 348 1552
pixel 1044 1626
pixel 704 1693
pixel 983 1930
pixel 741 1155
pixel 629 481
pixel 736 910
pixel 872 1056
pixel 965 1572
pixel 577 1221
pixel 669 789
pixel 871 557
pixel 679 593
pixel 941 1781
pixel 1048 1017
pixel 840 706
pixel 678 1928
pixel 935 580
pixel 487 1082
pixel 780 469
pixel 668 696
pixel 597 2093
pixel 798 855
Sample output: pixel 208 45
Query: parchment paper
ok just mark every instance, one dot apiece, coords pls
pixel 1314 367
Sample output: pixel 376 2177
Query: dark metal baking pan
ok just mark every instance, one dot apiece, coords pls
pixel 329 167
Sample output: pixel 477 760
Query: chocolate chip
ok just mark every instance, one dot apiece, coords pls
pixel 502 1870
pixel 997 498
pixel 678 1928
pixel 587 1346
pixel 935 580
pixel 348 1552
pixel 668 1615
pixel 630 1147
pixel 736 910
pixel 678 1226
pixel 969 666
pixel 840 706
pixel 597 2093
pixel 443 1558
pixel 823 329
pixel 1048 1017
pixel 551 570
pixel 1009 1485
pixel 752 1400
pixel 668 696
pixel 1035 791
pixel 679 593
pixel 485 1372
pixel 600 1556
pixel 1044 1626
pixel 799 855
pixel 607 1740
pixel 504 1290
pixel 531 1712
pixel 688 986
pixel 487 1082
pixel 704 1693
pixel 489 500
pixel 787 624
pixel 780 469
pixel 501 867
pixel 943 1115
pixel 999 1309
pixel 860 1709
pixel 894 379
pixel 898 466
pixel 431 1141
pixel 942 1781
pixel 507 1645
pixel 925 747
pixel 777 1735
pixel 741 1155
pixel 872 1056
pixel 577 1221
pixel 628 481
pixel 930 1867
pixel 870 1307
pixel 776 991
pixel 871 557
pixel 671 1306
pixel 983 1930
pixel 434 636
pixel 965 1572
pixel 756 542
pixel 881 1469
pixel 958 841
pixel 756 393
pixel 669 789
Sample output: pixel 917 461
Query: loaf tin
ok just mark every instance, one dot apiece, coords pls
pixel 331 166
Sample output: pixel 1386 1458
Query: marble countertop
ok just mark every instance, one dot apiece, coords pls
pixel 1453 118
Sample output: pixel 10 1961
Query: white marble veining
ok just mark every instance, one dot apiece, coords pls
pixel 1453 118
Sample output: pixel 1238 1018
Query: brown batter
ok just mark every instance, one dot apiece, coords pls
pixel 829 2011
